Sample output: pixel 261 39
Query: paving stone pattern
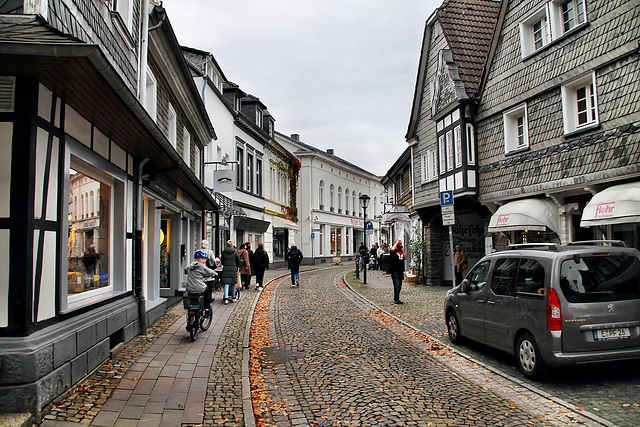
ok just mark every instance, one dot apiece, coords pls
pixel 347 368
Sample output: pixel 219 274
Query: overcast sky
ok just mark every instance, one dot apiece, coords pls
pixel 341 73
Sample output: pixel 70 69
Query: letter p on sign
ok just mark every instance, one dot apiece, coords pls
pixel 446 198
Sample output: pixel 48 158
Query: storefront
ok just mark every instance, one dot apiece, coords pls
pixel 525 221
pixel 615 213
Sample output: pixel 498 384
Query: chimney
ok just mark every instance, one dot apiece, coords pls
pixel 295 137
pixel 330 151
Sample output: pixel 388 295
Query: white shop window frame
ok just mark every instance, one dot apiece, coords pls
pixel 81 158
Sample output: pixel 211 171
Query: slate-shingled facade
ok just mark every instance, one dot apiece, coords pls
pixel 441 131
pixel 559 122
pixel 100 148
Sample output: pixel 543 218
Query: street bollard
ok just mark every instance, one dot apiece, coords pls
pixel 357 267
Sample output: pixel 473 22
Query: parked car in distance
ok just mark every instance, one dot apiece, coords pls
pixel 552 305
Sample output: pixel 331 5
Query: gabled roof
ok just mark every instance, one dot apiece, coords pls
pixel 468 27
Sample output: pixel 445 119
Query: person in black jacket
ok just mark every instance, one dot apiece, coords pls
pixel 294 258
pixel 229 276
pixel 260 263
pixel 396 268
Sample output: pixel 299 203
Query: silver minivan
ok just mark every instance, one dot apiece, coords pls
pixel 552 305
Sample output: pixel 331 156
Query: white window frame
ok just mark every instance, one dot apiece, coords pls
pixel 430 165
pixel 198 161
pixel 471 145
pixel 321 195
pixel 570 103
pixel 249 169
pixel 331 198
pixel 528 31
pixel 511 129
pixel 443 154
pixel 450 152
pixel 151 100
pixel 424 175
pixel 558 19
pixel 457 141
pixel 86 162
pixel 186 146
pixel 173 126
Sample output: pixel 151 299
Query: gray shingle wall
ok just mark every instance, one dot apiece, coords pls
pixel 90 21
pixel 426 128
pixel 553 158
pixel 510 77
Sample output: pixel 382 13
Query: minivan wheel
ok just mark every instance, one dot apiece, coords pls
pixel 529 360
pixel 453 326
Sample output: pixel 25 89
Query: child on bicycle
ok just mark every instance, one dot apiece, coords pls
pixel 196 273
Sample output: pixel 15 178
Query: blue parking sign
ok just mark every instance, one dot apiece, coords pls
pixel 446 198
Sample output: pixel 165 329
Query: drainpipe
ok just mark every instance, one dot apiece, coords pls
pixel 137 280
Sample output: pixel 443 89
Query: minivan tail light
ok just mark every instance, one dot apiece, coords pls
pixel 554 313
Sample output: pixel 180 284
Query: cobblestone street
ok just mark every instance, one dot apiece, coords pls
pixel 336 360
pixel 336 357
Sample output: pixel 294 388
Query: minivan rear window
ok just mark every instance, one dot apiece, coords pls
pixel 600 278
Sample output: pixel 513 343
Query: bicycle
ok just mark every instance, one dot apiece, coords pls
pixel 197 318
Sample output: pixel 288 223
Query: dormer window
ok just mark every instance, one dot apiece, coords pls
pixel 259 117
pixel 237 104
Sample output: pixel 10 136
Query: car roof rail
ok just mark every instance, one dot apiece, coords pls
pixel 543 246
pixel 618 243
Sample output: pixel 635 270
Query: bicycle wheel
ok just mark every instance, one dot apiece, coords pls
pixel 193 322
pixel 205 320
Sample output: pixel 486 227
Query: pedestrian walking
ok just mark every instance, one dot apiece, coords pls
pixel 373 258
pixel 261 258
pixel 252 259
pixel 396 269
pixel 460 263
pixel 364 254
pixel 229 277
pixel 245 268
pixel 379 252
pixel 90 260
pixel 294 258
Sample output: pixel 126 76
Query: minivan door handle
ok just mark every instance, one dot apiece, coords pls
pixel 480 301
pixel 491 302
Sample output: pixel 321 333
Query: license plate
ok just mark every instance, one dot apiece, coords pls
pixel 611 334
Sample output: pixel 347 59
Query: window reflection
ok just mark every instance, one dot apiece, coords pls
pixel 89 233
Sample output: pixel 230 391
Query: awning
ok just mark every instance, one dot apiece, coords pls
pixel 250 224
pixel 280 222
pixel 615 205
pixel 527 214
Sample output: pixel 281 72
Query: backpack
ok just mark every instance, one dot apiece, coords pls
pixel 210 264
pixel 296 256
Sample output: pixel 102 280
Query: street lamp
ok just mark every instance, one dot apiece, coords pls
pixel 364 202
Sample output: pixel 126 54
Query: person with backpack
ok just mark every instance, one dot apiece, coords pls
pixel 245 266
pixel 260 264
pixel 294 258
pixel 229 277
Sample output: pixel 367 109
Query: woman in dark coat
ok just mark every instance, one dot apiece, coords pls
pixel 260 264
pixel 229 276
